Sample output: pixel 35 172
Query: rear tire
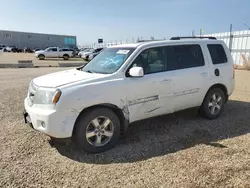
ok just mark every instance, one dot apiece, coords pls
pixel 66 57
pixel 97 130
pixel 41 57
pixel 213 104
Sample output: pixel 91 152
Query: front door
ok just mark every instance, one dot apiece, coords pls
pixel 152 94
pixel 52 52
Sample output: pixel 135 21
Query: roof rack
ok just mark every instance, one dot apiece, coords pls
pixel 179 38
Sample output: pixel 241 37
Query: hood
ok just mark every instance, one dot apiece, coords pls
pixel 66 77
pixel 86 53
pixel 39 51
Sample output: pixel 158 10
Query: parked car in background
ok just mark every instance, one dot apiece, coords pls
pixel 15 49
pixel 28 50
pixel 85 54
pixel 74 51
pixel 37 49
pixel 83 50
pixel 95 103
pixel 54 52
pixel 92 55
pixel 1 49
pixel 9 48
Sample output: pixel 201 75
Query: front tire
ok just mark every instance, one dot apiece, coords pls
pixel 97 130
pixel 41 57
pixel 213 104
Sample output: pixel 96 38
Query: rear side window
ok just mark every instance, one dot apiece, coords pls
pixel 184 56
pixel 53 49
pixel 217 53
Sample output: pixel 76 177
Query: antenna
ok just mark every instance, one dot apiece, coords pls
pixel 246 25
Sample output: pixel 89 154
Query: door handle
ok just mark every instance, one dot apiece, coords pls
pixel 165 81
pixel 204 74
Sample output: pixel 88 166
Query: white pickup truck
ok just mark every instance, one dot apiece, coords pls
pixel 54 52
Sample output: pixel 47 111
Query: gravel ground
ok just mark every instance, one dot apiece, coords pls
pixel 179 150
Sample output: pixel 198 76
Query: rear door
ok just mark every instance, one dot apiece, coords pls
pixel 65 51
pixel 189 74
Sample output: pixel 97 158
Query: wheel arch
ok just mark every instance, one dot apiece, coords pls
pixel 222 87
pixel 118 111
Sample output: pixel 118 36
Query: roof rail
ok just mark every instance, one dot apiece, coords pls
pixel 179 38
pixel 148 40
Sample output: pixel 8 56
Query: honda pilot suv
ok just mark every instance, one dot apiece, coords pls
pixel 95 103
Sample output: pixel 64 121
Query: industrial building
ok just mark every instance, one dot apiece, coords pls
pixel 35 40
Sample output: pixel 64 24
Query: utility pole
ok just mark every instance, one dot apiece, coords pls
pixel 193 34
pixel 201 31
pixel 231 37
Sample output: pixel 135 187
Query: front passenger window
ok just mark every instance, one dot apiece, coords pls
pixel 151 60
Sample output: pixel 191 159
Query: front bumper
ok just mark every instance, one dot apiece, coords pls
pixel 57 124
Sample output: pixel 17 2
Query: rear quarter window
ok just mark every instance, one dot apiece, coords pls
pixel 217 53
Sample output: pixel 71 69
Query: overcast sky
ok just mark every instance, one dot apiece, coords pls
pixel 119 19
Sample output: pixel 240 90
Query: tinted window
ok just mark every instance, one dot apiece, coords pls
pixel 184 56
pixel 217 53
pixel 51 49
pixel 151 60
pixel 65 50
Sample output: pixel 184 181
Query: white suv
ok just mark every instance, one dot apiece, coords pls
pixel 95 103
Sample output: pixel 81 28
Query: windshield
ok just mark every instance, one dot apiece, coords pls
pixel 108 61
pixel 91 50
pixel 87 50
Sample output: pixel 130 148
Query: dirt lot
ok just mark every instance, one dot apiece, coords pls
pixel 180 150
pixel 15 57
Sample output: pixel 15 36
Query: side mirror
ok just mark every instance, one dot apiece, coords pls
pixel 136 72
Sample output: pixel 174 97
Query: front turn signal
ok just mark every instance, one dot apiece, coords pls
pixel 56 96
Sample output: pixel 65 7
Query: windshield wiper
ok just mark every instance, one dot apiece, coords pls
pixel 89 71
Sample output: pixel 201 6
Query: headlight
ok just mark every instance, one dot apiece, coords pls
pixel 47 96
